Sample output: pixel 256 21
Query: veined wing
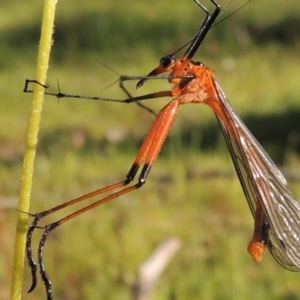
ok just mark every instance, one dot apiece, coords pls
pixel 262 181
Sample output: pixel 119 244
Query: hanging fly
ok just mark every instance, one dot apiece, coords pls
pixel 275 211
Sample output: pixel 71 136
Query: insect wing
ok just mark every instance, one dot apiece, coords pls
pixel 263 181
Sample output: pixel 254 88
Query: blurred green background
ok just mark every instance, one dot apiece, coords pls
pixel 192 192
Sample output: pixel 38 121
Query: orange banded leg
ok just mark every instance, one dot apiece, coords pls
pixel 147 154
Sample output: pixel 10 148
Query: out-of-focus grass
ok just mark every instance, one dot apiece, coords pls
pixel 85 145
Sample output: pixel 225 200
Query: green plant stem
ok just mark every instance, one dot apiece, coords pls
pixel 30 150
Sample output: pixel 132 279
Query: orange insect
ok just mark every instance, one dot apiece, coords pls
pixel 276 213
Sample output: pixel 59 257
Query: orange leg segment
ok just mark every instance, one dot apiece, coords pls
pixel 147 155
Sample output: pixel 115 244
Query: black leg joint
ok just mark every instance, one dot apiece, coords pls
pixel 144 174
pixel 132 172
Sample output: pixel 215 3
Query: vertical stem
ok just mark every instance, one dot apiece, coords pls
pixel 30 149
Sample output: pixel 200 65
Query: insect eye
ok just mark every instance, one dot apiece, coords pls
pixel 166 61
